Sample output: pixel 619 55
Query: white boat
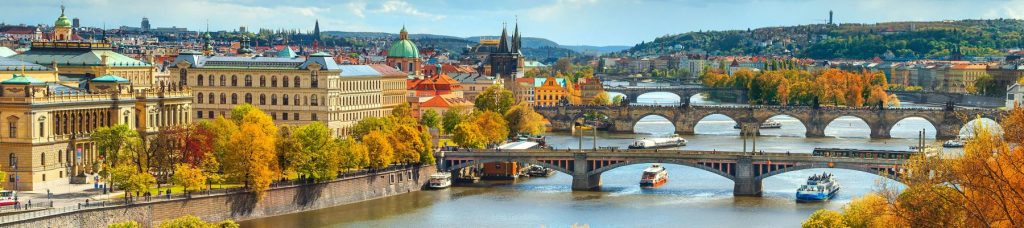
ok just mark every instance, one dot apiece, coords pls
pixel 440 180
pixel 654 176
pixel 651 143
pixel 818 188
pixel 770 124
pixel 955 143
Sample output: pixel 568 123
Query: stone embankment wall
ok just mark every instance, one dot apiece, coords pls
pixel 243 206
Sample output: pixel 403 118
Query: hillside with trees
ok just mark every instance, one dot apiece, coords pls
pixel 898 40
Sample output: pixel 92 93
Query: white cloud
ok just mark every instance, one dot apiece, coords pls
pixel 404 7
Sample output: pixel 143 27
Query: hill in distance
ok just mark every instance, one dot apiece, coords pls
pixel 528 42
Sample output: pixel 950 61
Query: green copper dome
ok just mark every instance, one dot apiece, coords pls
pixel 403 49
pixel 62 21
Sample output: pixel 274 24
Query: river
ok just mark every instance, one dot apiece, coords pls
pixel 691 198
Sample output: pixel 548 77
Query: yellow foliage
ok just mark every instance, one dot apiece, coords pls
pixel 379 150
pixel 824 218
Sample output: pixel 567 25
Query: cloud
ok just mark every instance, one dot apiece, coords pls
pixel 406 8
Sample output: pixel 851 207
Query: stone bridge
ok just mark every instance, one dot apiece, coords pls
pixel 683 91
pixel 745 170
pixel 947 121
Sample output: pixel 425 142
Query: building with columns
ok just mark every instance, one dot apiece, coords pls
pixel 293 91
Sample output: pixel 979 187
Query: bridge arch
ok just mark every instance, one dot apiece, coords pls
pixel 981 121
pixel 693 123
pixel 870 124
pixel 802 122
pixel 521 161
pixel 679 97
pixel 636 121
pixel 931 121
pixel 663 161
pixel 826 166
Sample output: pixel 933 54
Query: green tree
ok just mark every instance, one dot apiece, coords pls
pixel 125 177
pixel 431 119
pixel 112 143
pixel 352 154
pixel 191 221
pixel 450 119
pixel 617 100
pixel 125 224
pixel 494 98
pixel 316 158
pixel 368 124
pixel 601 98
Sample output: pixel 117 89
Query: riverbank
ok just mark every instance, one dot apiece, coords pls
pixel 239 206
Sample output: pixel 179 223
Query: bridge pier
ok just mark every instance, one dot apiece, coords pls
pixel 581 181
pixel 745 182
pixel 879 132
pixel 815 131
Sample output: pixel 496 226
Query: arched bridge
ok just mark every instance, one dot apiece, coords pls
pixel 947 121
pixel 683 91
pixel 745 170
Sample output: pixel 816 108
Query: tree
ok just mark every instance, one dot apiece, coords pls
pixel 494 98
pixel 867 211
pixel 125 177
pixel 251 155
pixel 824 218
pixel 601 98
pixel 450 119
pixel 191 221
pixel 352 154
pixel 523 119
pixel 430 118
pixel 188 177
pixel 316 157
pixel 407 144
pixel 379 150
pixel 563 65
pixel 112 141
pixel 125 224
pixel 493 126
pixel 617 100
pixel 368 124
pixel 469 135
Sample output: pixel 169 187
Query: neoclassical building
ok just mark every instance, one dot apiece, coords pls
pixel 403 54
pixel 293 91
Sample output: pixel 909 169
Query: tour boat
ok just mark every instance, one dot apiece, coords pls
pixel 651 143
pixel 770 124
pixel 819 187
pixel 654 176
pixel 955 143
pixel 440 180
pixel 538 171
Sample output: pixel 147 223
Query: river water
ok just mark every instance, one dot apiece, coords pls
pixel 691 198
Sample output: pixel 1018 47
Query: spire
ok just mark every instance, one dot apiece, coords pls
pixel 503 43
pixel 316 30
pixel 516 39
pixel 403 35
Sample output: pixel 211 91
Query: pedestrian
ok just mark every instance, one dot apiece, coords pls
pixel 48 193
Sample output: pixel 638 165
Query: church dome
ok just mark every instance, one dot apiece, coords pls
pixel 62 21
pixel 403 49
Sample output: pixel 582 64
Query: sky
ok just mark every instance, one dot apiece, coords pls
pixel 568 22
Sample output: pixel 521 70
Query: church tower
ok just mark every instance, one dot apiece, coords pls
pixel 507 61
pixel 62 27
pixel 404 55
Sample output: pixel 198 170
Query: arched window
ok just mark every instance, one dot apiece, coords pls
pixel 273 81
pixel 411 68
pixel 263 81
pixel 284 81
pixel 60 156
pixel 211 99
pixel 248 80
pixel 284 101
pixel 313 100
pixel 223 98
pixel 223 81
pixel 263 99
pixel 234 98
pixel 210 80
pixel 248 98
pixel 297 100
pixel 12 127
pixel 183 77
pixel 298 82
pixel 199 80
pixel 399 66
pixel 234 80
pixel 314 82
pixel 273 99
pixel 199 98
pixel 12 160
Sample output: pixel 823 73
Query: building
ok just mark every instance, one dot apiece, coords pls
pixel 506 61
pixel 958 77
pixel 550 91
pixel 28 33
pixel 474 84
pixel 293 91
pixel 523 89
pixel 438 92
pixel 145 24
pixel 589 88
pixel 1014 96
pixel 403 54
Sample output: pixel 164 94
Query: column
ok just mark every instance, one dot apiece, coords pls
pixel 580 180
pixel 746 182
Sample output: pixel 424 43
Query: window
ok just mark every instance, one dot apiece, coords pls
pixel 234 98
pixel 199 80
pixel 313 117
pixel 263 81
pixel 42 159
pixel 210 114
pixel 248 80
pixel 12 128
pixel 210 80
pixel 222 81
pixel 273 115
pixel 313 101
pixel 199 114
pixel 273 99
pixel 284 116
pixel 248 98
pixel 297 100
pixel 183 77
pixel 42 129
pixel 223 98
pixel 296 115
pixel 199 98
pixel 234 80
pixel 13 161
pixel 298 82
pixel 284 81
pixel 273 81
pixel 285 100
pixel 212 101
pixel 411 68
pixel 314 82
pixel 60 157
pixel 263 99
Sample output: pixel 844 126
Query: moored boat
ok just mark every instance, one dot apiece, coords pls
pixel 440 180
pixel 770 124
pixel 955 143
pixel 652 143
pixel 538 171
pixel 654 176
pixel 819 187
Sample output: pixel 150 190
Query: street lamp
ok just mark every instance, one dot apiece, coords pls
pixel 14 170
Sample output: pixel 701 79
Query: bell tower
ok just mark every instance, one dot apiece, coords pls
pixel 62 27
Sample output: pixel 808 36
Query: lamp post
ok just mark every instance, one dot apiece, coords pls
pixel 14 170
